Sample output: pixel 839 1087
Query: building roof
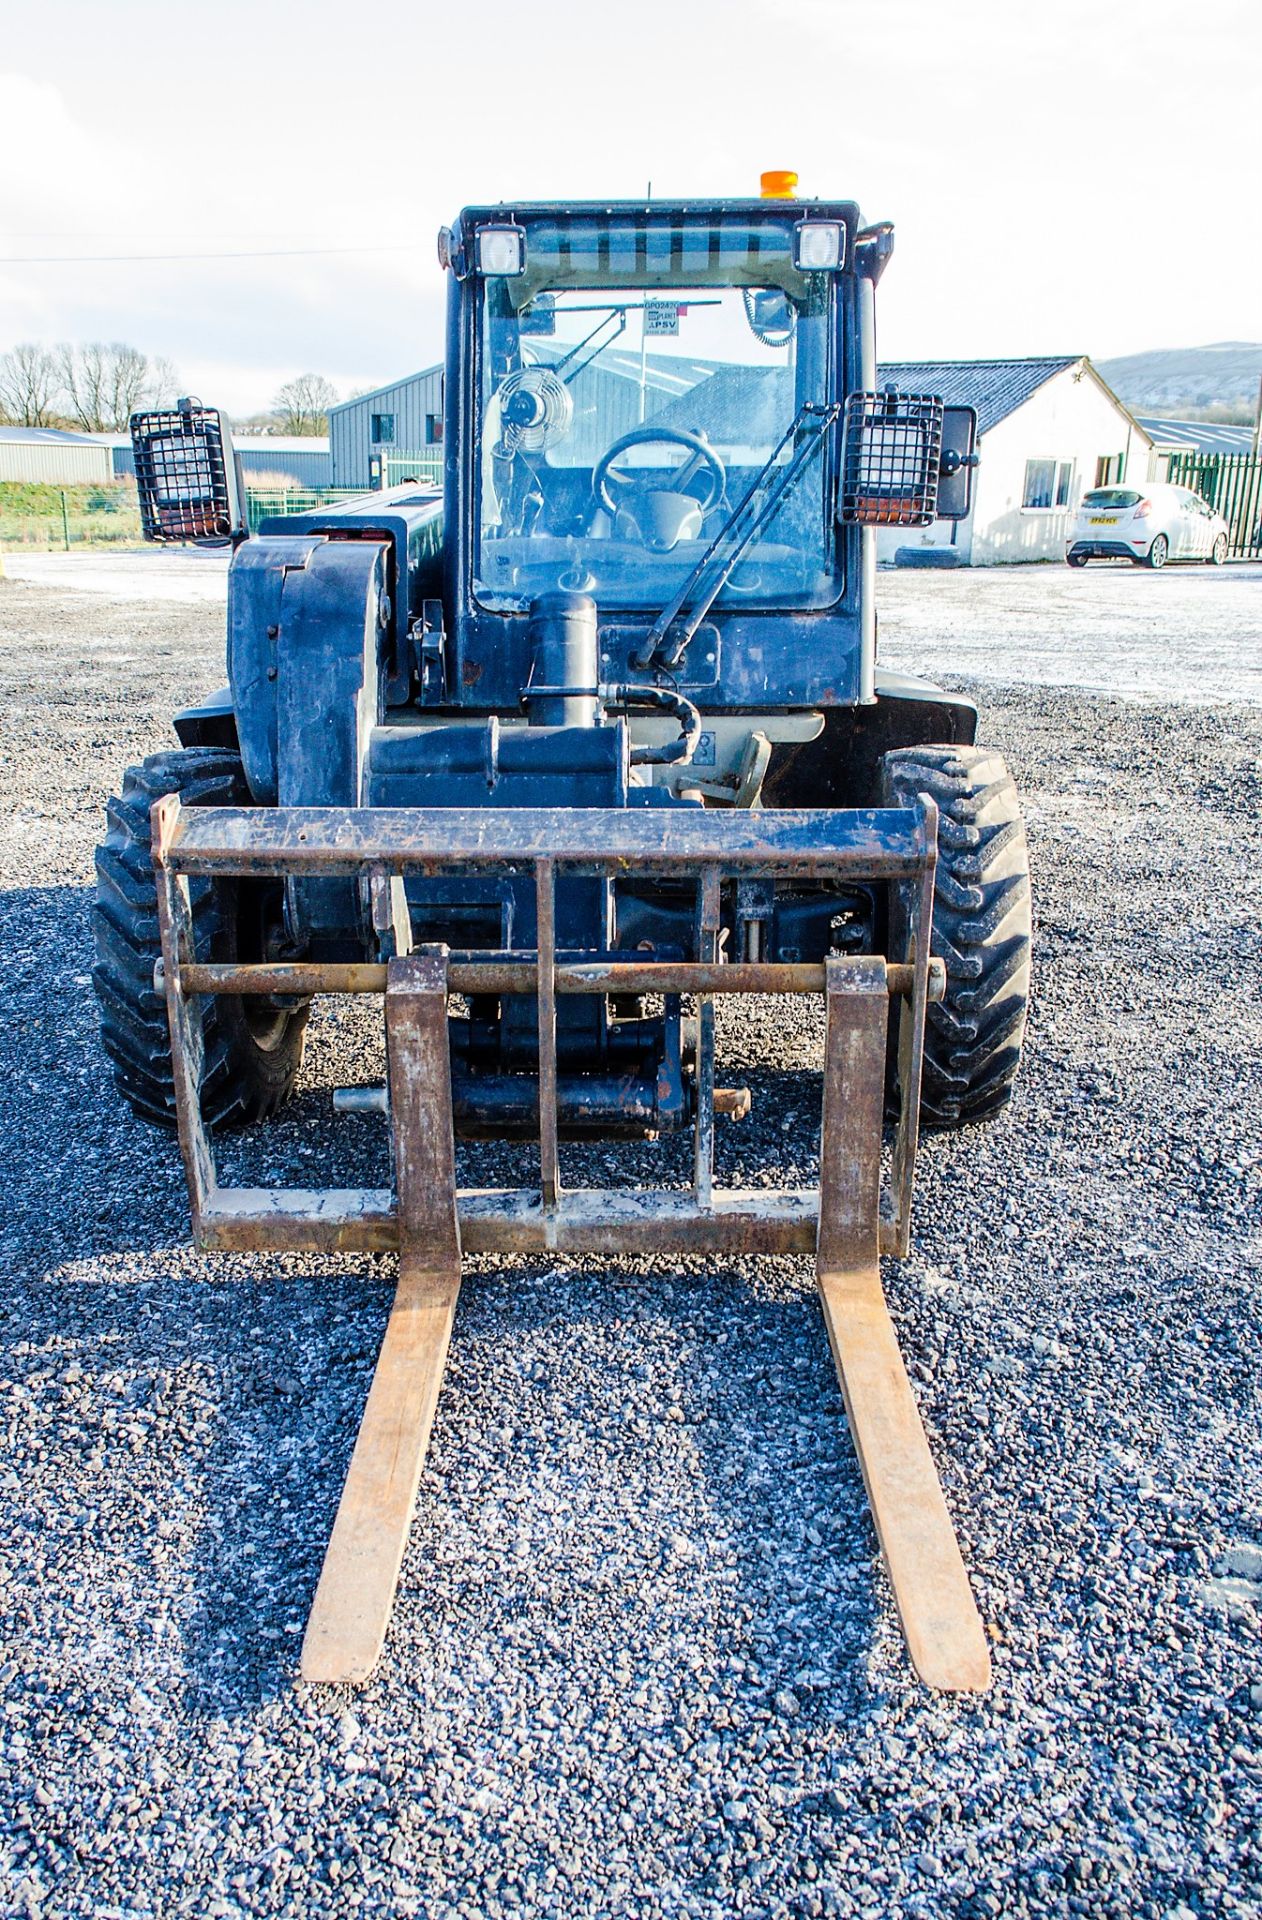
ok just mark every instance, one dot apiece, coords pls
pixel 243 442
pixel 995 387
pixel 1199 436
pixel 749 405
pixel 281 442
pixel 54 436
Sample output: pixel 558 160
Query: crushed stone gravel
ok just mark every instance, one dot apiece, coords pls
pixel 644 1659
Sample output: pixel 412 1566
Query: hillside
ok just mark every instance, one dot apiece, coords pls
pixel 1178 379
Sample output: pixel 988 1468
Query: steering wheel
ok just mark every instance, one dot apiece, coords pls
pixel 605 480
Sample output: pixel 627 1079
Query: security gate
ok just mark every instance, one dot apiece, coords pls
pixel 1232 484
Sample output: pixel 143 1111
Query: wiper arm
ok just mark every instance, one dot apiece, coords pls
pixel 611 313
pixel 743 525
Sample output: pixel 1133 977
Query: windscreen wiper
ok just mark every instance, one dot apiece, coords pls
pixel 762 500
pixel 618 314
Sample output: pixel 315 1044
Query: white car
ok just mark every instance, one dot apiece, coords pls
pixel 1150 523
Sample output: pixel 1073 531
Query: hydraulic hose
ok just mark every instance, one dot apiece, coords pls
pixel 626 698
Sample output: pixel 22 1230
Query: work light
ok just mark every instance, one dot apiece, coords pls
pixel 501 250
pixel 819 245
pixel 186 476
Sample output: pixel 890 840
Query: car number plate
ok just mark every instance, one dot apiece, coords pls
pixel 1104 520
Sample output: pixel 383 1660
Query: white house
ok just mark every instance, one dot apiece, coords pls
pixel 1048 429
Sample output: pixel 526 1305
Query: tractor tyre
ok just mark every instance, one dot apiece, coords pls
pixel 253 1047
pixel 981 929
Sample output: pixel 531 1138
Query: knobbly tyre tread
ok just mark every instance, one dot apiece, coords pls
pixel 981 927
pixel 242 1080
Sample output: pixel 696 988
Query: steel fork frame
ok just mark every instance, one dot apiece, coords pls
pixel 430 1222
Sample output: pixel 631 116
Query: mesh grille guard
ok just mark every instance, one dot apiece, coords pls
pixel 892 451
pixel 185 475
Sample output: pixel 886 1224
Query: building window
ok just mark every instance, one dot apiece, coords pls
pixel 433 429
pixel 1064 482
pixel 382 429
pixel 1040 481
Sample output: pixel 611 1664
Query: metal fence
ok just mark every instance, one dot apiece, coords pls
pixel 43 518
pixel 261 503
pixel 398 465
pixel 1232 483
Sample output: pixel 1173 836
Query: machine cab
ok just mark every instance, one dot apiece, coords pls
pixel 638 388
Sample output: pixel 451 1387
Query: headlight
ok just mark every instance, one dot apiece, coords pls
pixel 819 246
pixel 501 250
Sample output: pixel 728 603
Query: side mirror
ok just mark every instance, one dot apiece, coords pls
pixel 955 468
pixel 770 316
pixel 540 316
pixel 186 476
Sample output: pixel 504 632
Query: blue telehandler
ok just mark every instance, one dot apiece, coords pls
pixel 551 755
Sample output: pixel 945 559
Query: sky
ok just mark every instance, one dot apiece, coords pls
pixel 1065 179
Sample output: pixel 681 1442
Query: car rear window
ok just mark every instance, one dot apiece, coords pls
pixel 1111 497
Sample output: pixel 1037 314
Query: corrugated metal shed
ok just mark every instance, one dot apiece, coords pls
pixel 995 387
pixel 47 455
pixel 1199 435
pixel 406 416
pixel 412 407
pixel 304 458
pixel 300 458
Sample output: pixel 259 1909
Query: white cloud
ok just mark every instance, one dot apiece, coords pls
pixel 236 328
pixel 1070 179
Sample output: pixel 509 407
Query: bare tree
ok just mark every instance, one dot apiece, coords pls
pixel 29 386
pixel 164 383
pixel 103 385
pixel 303 404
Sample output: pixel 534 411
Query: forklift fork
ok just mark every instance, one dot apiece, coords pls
pixel 429 1220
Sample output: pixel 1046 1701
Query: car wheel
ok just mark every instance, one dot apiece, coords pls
pixel 1159 552
pixel 1076 559
pixel 1218 552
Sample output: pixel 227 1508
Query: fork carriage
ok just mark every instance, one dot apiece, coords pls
pixel 430 1222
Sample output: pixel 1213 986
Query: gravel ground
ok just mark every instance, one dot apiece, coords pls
pixel 1190 635
pixel 644 1660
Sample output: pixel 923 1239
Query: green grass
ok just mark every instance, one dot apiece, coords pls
pixel 103 515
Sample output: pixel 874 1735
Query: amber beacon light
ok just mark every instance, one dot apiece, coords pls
pixel 778 184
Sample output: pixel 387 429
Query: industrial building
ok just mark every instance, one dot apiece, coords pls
pixel 373 432
pixel 267 459
pixel 31 455
pixel 1196 436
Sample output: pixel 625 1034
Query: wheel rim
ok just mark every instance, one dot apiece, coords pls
pixel 1220 550
pixel 1160 548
